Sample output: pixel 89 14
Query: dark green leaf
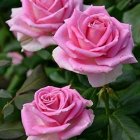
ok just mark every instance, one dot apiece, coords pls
pixel 91 94
pixel 83 80
pixel 22 99
pixel 31 62
pixel 8 110
pixel 5 94
pixel 133 17
pixel 55 75
pixel 35 81
pixel 123 4
pixel 100 121
pixel 3 35
pixel 123 128
pixel 44 54
pixel 68 76
pixel 126 79
pixel 130 108
pixel 131 94
pixel 11 131
pixel 12 46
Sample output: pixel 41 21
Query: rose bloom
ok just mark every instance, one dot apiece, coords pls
pixel 36 21
pixel 95 44
pixel 56 114
pixel 16 57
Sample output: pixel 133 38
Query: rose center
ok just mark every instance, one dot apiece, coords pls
pixel 47 99
pixel 95 31
pixel 50 101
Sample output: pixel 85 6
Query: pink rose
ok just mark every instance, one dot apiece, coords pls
pixel 36 21
pixel 94 44
pixel 16 57
pixel 56 114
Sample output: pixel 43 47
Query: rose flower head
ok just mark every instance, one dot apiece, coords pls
pixel 56 114
pixel 36 21
pixel 94 44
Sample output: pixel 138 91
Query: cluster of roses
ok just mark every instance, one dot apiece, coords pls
pixel 90 42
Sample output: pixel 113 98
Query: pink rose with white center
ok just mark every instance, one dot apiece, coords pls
pixel 56 114
pixel 95 44
pixel 36 21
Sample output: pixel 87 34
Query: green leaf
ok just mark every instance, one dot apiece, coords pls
pixel 31 62
pixel 133 17
pixel 123 128
pixel 3 34
pixel 11 131
pixel 13 45
pixel 126 79
pixel 8 4
pixel 123 4
pixel 107 3
pixel 130 108
pixel 88 94
pixel 35 81
pixel 56 75
pixel 129 99
pixel 131 94
pixel 44 54
pixel 8 110
pixel 91 94
pixel 68 76
pixel 22 99
pixel 83 80
pixel 5 94
pixel 100 121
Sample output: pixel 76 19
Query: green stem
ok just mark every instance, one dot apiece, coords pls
pixel 108 133
pixel 105 97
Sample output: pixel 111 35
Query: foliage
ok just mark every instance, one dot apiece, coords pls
pixel 116 106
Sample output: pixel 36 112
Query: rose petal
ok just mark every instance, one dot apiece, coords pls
pixel 77 66
pixel 101 79
pixel 78 125
pixel 88 66
pixel 32 45
pixel 17 24
pixel 59 55
pixel 16 12
pixel 44 137
pixel 96 10
pixel 56 5
pixel 35 123
pixel 124 56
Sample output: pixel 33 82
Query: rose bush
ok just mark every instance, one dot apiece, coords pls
pixel 36 21
pixel 56 114
pixel 95 44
